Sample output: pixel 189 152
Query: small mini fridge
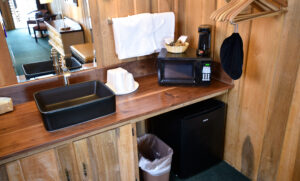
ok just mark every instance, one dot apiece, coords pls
pixel 195 133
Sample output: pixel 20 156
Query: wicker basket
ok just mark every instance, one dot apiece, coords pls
pixel 177 49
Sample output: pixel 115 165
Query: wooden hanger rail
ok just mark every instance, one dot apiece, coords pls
pixel 234 11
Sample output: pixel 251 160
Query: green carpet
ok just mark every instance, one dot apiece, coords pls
pixel 25 50
pixel 219 172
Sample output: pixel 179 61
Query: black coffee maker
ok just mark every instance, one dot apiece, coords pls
pixel 204 42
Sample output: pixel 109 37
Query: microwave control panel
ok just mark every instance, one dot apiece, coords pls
pixel 206 72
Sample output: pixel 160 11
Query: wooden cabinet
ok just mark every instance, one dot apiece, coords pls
pixel 111 155
pixel 108 156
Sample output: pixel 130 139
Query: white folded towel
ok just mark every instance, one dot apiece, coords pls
pixel 164 27
pixel 142 34
pixel 134 35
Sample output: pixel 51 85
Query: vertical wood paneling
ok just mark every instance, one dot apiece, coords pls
pixel 103 32
pixel 7 73
pixel 256 92
pixel 287 60
pixel 68 164
pixel 127 154
pixel 106 9
pixel 290 157
pixel 14 171
pixel 105 151
pixel 197 13
pixel 253 139
pixel 3 173
pixel 7 16
pixel 86 167
pixel 41 166
pixel 142 6
pixel 296 176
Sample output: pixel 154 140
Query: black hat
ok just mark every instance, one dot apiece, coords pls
pixel 232 56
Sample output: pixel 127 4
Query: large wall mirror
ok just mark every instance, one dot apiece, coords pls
pixel 34 30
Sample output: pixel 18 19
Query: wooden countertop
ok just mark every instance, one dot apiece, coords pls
pixel 84 51
pixel 22 130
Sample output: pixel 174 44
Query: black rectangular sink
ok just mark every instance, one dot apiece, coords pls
pixel 33 70
pixel 65 106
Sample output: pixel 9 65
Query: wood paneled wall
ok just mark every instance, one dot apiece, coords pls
pixel 260 105
pixel 78 13
pixel 7 16
pixel 103 32
pixel 7 73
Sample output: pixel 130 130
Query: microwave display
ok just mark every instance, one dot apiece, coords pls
pixel 178 71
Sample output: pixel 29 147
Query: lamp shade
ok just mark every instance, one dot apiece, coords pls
pixel 45 1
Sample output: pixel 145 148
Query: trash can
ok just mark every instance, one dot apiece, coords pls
pixel 155 158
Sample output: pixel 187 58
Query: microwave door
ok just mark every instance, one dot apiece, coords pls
pixel 178 72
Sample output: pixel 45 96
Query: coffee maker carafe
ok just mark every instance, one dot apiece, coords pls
pixel 204 42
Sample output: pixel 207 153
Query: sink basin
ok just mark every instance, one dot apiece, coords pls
pixel 65 106
pixel 32 70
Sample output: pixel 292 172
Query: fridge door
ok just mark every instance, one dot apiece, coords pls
pixel 202 141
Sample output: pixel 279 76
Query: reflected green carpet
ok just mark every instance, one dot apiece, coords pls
pixel 24 49
pixel 219 172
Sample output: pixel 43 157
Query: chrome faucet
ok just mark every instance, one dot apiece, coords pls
pixel 65 70
pixel 55 60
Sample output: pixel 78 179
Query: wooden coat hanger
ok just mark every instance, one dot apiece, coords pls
pixel 233 11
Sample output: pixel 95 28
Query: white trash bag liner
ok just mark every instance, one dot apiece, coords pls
pixel 155 156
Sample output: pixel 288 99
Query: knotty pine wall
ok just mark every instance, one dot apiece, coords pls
pixel 101 10
pixel 78 13
pixel 263 116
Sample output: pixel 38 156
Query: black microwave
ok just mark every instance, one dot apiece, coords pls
pixel 183 69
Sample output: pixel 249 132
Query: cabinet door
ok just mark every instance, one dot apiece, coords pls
pixel 68 165
pixel 127 152
pixel 104 147
pixel 3 173
pixel 14 171
pixel 110 156
pixel 41 166
pixel 85 162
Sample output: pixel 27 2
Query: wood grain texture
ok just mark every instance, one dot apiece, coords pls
pixel 7 73
pixel 86 165
pixel 14 171
pixel 290 157
pixel 195 12
pixel 296 175
pixel 6 15
pixel 135 152
pixel 3 173
pixel 127 153
pixel 25 130
pixel 142 6
pixel 258 105
pixel 192 14
pixel 281 93
pixel 105 150
pixel 101 10
pixel 68 164
pixel 84 51
pixel 257 89
pixel 41 166
pixel 222 31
